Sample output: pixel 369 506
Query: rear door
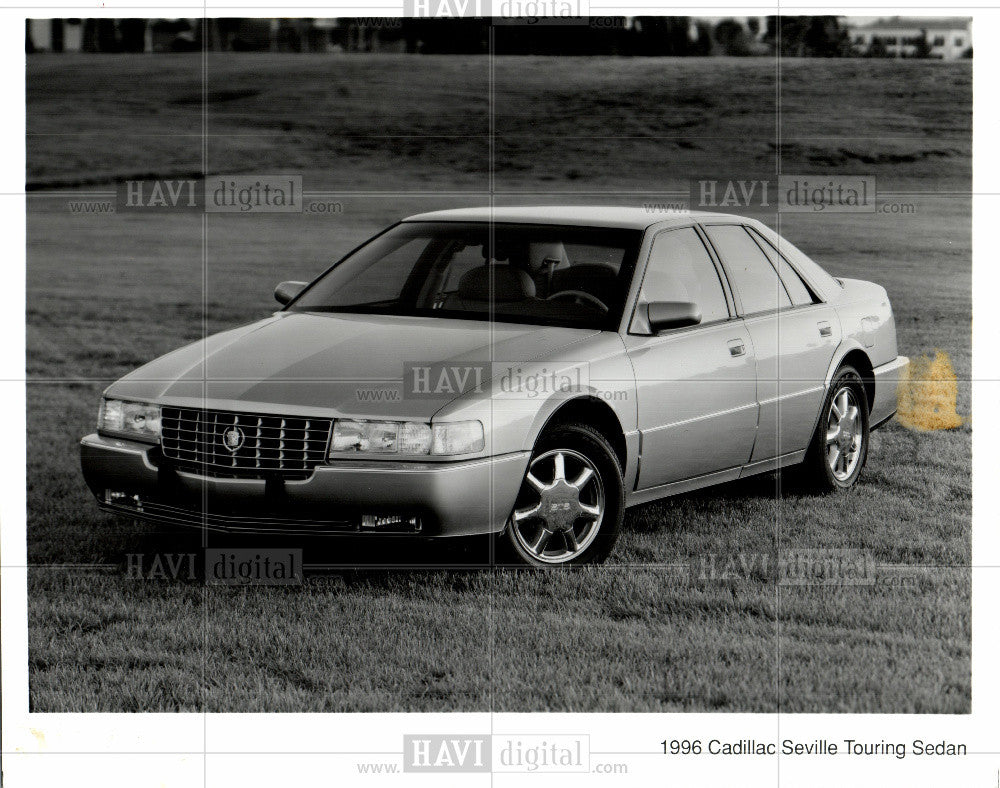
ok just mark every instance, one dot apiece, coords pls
pixel 794 337
pixel 696 388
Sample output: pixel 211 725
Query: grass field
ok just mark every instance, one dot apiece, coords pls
pixel 391 136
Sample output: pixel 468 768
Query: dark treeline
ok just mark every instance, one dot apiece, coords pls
pixel 613 36
pixel 801 36
pixel 792 36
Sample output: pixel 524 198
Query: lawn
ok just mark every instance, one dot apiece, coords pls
pixel 391 136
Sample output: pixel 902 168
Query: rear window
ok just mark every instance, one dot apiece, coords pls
pixel 798 291
pixel 820 280
pixel 751 272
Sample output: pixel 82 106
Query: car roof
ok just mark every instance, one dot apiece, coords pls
pixel 577 215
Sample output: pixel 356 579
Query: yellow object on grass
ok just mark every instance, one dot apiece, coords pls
pixel 927 396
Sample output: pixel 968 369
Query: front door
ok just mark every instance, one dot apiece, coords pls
pixel 696 387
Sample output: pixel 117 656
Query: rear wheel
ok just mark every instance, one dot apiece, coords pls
pixel 571 503
pixel 839 448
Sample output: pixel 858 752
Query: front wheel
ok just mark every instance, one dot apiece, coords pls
pixel 571 503
pixel 839 448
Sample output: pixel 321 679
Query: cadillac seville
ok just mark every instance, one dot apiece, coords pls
pixel 523 372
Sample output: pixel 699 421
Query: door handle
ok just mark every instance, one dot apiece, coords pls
pixel 736 347
pixel 825 330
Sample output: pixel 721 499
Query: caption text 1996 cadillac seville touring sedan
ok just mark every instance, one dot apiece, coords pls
pixel 528 372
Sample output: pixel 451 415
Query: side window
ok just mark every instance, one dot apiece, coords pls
pixel 680 269
pixel 797 289
pixel 815 274
pixel 752 273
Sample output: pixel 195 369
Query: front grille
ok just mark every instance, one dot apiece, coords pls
pixel 223 443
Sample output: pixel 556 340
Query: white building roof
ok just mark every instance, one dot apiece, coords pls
pixel 917 23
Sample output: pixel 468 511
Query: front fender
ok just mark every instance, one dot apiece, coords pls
pixel 554 404
pixel 515 407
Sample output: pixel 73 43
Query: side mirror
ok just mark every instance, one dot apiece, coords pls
pixel 286 291
pixel 663 315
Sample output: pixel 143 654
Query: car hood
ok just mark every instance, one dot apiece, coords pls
pixel 331 365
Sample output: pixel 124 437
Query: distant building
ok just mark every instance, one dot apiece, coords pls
pixel 947 38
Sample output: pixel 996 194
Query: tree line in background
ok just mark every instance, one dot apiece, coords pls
pixel 792 36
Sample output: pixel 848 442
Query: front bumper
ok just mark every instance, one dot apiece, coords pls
pixel 448 498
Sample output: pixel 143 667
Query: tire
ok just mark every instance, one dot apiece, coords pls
pixel 839 448
pixel 570 516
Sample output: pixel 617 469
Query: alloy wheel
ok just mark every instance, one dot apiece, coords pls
pixel 560 506
pixel 844 434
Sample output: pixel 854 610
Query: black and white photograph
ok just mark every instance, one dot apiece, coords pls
pixel 527 359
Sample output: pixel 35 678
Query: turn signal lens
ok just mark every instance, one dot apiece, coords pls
pixel 458 437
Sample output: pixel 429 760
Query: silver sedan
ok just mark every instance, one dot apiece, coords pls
pixel 524 372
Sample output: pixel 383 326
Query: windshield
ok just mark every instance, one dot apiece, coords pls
pixel 520 273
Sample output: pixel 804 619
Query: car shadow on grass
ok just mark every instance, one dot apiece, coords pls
pixel 320 554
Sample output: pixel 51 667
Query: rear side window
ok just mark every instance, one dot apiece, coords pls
pixel 753 275
pixel 797 289
pixel 680 269
pixel 824 284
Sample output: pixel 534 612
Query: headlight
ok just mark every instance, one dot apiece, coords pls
pixel 406 437
pixel 380 437
pixel 138 420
